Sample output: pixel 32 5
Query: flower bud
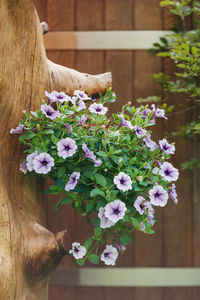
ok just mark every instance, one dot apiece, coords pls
pixel 120 162
pixel 139 178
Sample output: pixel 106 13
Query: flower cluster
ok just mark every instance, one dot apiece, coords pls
pixel 108 166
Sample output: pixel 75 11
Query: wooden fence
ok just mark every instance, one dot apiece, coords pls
pixel 176 243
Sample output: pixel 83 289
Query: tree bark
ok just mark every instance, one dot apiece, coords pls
pixel 28 251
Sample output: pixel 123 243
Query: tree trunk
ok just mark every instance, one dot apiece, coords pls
pixel 28 251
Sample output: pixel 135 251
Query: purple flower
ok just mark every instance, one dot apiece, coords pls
pixel 158 196
pixel 173 194
pixel 120 246
pixel 81 95
pixel 166 147
pixel 168 172
pixel 80 105
pixel 78 251
pixel 123 182
pixel 49 112
pixel 73 180
pixel 145 113
pixel 141 205
pixel 140 132
pixel 29 160
pixel 155 171
pixel 69 128
pixel 115 210
pixel 82 119
pixel 98 109
pixel 43 163
pixel 142 226
pixel 23 167
pixel 109 255
pixel 57 97
pixel 159 113
pixel 149 143
pixel 104 221
pixel 18 129
pixel 66 147
pixel 88 152
pixel 97 162
pixel 150 214
pixel 125 123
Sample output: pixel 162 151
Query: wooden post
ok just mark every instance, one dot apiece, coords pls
pixel 28 251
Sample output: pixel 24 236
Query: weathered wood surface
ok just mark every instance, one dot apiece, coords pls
pixel 28 251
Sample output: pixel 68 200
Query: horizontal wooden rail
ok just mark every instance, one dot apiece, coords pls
pixel 104 40
pixel 127 277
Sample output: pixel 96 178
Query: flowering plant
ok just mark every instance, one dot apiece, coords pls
pixel 109 166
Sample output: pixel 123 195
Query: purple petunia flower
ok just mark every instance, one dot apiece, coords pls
pixel 78 251
pixel 168 172
pixel 69 128
pixel 88 153
pixel 80 105
pixel 173 194
pixel 104 221
pixel 18 129
pixel 120 246
pixel 140 132
pixel 29 160
pixel 149 143
pixel 23 167
pixel 125 123
pixel 57 97
pixel 98 109
pixel 145 113
pixel 97 162
pixel 115 210
pixel 49 112
pixel 73 180
pixel 123 182
pixel 66 147
pixel 43 163
pixel 141 205
pixel 158 112
pixel 166 147
pixel 142 226
pixel 109 255
pixel 82 119
pixel 81 95
pixel 158 196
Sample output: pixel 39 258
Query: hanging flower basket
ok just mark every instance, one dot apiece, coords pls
pixel 109 166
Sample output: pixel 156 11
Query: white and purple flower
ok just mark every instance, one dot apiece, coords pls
pixel 125 123
pixel 104 221
pixel 98 109
pixel 140 132
pixel 49 112
pixel 18 129
pixel 23 167
pixel 115 210
pixel 158 112
pixel 109 255
pixel 69 128
pixel 43 163
pixel 66 147
pixel 141 205
pixel 97 162
pixel 168 172
pixel 81 95
pixel 73 180
pixel 78 251
pixel 82 119
pixel 120 246
pixel 123 182
pixel 57 97
pixel 88 153
pixel 158 196
pixel 80 105
pixel 29 160
pixel 166 147
pixel 173 194
pixel 149 143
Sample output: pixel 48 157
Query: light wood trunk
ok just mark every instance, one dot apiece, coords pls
pixel 28 251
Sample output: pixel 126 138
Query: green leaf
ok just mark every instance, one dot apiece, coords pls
pixel 54 139
pixel 96 222
pixel 135 222
pixel 80 262
pixel 61 172
pixel 88 243
pixel 102 153
pixel 100 179
pixel 89 206
pixel 97 231
pixel 48 131
pixel 125 238
pixel 194 50
pixel 96 192
pixel 93 258
pixel 27 136
pixel 66 200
